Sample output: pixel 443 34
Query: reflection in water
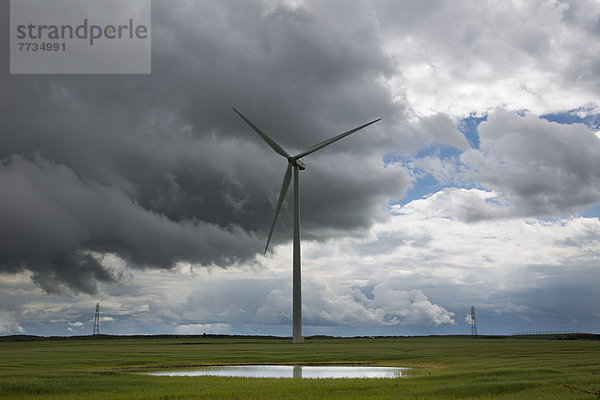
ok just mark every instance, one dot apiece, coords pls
pixel 289 371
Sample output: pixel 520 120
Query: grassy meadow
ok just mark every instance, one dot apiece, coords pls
pixel 445 368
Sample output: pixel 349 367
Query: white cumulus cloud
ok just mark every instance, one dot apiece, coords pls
pixel 535 166
pixel 472 56
pixel 326 302
pixel 9 323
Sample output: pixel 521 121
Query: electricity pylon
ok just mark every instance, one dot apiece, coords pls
pixel 473 323
pixel 97 320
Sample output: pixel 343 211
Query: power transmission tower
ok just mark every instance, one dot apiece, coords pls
pixel 473 323
pixel 97 320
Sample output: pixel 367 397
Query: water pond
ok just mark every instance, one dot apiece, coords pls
pixel 288 371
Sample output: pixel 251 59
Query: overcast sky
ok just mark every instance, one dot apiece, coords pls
pixel 148 194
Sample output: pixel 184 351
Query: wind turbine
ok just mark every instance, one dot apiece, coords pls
pixel 295 163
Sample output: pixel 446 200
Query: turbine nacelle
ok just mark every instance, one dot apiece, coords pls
pixel 297 163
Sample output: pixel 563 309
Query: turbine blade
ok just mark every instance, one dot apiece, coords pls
pixel 324 143
pixel 284 188
pixel 264 136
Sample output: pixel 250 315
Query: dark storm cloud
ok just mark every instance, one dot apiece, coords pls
pixel 51 218
pixel 157 169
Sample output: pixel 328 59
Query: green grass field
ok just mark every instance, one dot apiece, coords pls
pixel 446 368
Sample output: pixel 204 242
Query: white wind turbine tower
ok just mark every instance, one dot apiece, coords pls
pixel 295 163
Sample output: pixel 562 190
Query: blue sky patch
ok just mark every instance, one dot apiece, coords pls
pixel 575 116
